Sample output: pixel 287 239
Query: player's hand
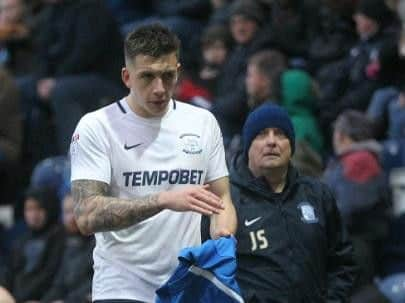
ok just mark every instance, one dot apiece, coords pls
pixel 193 198
pixel 224 232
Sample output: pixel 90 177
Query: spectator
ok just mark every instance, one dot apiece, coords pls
pixel 73 280
pixel 396 116
pixel 10 138
pixel 78 68
pixel 360 187
pixel 388 287
pixel 15 37
pixel 298 96
pixel 199 87
pixel 268 80
pixel 36 256
pixel 230 107
pixel 216 44
pixel 387 109
pixel 53 173
pixel 263 77
pixel 291 26
pixel 351 82
pixel 335 35
pixel 262 84
pixel 292 246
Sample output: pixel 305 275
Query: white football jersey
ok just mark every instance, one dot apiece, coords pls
pixel 138 157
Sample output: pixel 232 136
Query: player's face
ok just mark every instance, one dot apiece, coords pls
pixel 270 149
pixel 151 82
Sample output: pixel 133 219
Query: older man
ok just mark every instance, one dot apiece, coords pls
pixel 292 246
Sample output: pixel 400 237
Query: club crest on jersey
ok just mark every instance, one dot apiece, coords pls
pixel 191 143
pixel 307 212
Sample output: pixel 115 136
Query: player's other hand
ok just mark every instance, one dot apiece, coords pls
pixel 195 198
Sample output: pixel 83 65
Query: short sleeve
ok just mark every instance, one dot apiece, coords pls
pixel 89 152
pixel 216 159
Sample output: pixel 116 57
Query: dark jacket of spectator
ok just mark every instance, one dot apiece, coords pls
pixel 79 37
pixel 292 25
pixel 334 37
pixel 350 83
pixel 73 281
pixel 10 119
pixel 230 104
pixel 36 256
pixel 361 189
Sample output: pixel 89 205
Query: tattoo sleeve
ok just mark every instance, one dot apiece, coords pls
pixel 95 211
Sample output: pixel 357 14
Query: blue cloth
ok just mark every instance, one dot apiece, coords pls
pixel 206 273
pixel 393 288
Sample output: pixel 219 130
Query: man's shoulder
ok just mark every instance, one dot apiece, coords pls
pixel 185 108
pixel 108 112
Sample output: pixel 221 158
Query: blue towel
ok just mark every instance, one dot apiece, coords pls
pixel 206 273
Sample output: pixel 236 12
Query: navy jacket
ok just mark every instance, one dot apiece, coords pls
pixel 292 246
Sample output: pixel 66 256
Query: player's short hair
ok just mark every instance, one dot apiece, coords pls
pixel 153 40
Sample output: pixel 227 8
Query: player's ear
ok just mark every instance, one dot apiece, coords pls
pixel 178 71
pixel 125 76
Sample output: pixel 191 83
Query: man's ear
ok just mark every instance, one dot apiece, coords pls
pixel 125 76
pixel 179 69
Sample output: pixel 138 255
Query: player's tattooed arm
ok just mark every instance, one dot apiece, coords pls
pixel 95 211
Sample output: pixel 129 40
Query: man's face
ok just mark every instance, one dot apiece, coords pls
pixel 215 53
pixel 257 84
pixel 365 26
pixel 243 29
pixel 151 82
pixel 269 150
pixel 11 11
pixel 34 214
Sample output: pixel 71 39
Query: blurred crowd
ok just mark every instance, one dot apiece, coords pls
pixel 337 66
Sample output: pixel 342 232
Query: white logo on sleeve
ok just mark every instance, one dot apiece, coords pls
pixel 307 213
pixel 253 221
